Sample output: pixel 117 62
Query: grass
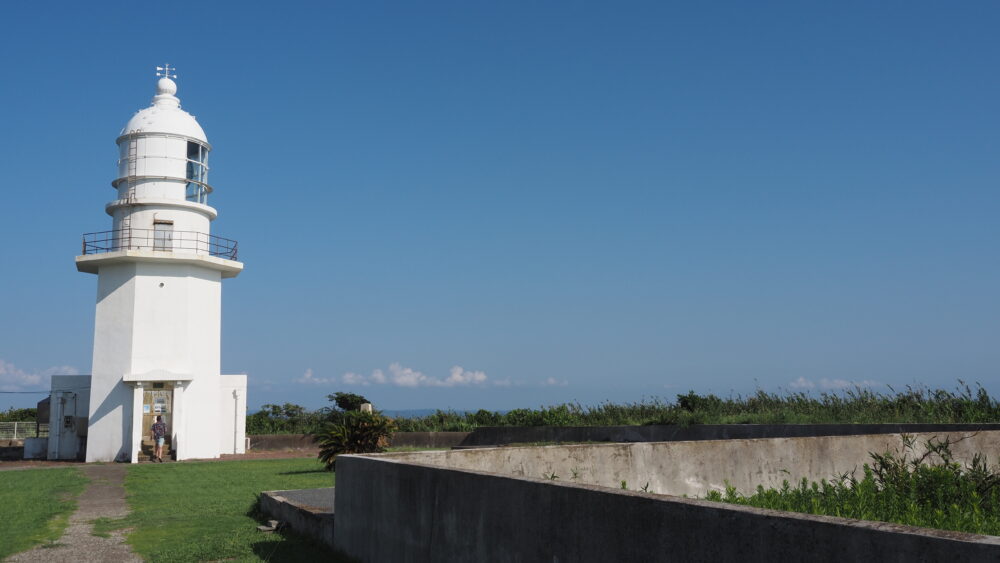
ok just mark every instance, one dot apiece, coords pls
pixel 853 406
pixel 932 491
pixel 36 505
pixel 206 511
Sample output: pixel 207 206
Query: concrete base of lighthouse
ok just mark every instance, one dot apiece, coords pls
pixel 157 335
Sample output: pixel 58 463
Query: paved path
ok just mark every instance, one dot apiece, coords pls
pixel 104 496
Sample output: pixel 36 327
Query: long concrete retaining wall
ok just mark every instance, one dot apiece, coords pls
pixel 564 503
pixel 429 439
pixel 498 435
pixel 695 468
pixel 388 510
pixel 281 442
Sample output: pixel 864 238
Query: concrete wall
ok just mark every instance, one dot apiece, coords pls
pixel 695 468
pixel 429 439
pixel 305 520
pixel 388 510
pixel 232 414
pixel 497 435
pixel 70 398
pixel 36 448
pixel 281 442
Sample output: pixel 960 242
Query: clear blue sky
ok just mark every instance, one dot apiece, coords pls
pixel 568 201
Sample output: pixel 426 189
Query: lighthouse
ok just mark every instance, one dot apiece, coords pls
pixel 157 327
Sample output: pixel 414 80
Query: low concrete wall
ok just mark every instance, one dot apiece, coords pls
pixel 695 468
pixel 429 439
pixel 499 435
pixel 36 448
pixel 281 442
pixel 390 510
pixel 303 519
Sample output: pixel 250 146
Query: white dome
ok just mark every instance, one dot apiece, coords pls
pixel 165 115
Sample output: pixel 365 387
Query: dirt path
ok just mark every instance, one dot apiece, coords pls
pixel 104 496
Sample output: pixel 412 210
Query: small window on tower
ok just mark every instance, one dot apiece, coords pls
pixel 163 235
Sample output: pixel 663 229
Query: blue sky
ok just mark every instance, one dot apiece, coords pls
pixel 509 204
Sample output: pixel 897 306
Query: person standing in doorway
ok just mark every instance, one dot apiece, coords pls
pixel 159 431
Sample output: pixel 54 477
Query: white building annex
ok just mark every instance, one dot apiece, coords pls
pixel 157 328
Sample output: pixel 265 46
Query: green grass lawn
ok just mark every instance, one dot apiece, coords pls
pixel 36 505
pixel 202 511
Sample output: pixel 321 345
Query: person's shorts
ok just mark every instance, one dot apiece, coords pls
pixel 159 441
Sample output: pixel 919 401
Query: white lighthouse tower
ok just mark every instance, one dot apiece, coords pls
pixel 158 323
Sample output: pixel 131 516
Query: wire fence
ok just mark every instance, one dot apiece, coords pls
pixel 21 430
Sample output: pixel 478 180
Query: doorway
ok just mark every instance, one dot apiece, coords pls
pixel 157 400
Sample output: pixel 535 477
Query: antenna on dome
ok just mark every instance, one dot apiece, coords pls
pixel 165 71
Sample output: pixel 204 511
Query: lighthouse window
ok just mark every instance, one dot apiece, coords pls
pixel 197 173
pixel 197 162
pixel 196 193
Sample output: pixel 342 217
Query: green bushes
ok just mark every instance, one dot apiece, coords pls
pixel 932 490
pixel 19 415
pixel 357 433
pixel 856 406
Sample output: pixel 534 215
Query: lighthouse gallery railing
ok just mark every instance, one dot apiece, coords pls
pixel 166 241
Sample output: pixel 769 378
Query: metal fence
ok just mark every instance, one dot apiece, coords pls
pixel 162 240
pixel 21 430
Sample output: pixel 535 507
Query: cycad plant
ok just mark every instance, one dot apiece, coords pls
pixel 359 433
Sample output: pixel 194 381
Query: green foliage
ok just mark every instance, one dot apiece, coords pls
pixel 930 490
pixel 19 415
pixel 347 401
pixel 206 511
pixel 288 419
pixel 853 406
pixel 358 433
pixel 36 506
pixel 858 405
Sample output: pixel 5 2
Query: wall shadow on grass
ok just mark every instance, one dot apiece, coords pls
pixel 306 472
pixel 287 546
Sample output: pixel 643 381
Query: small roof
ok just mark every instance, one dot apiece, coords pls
pixel 165 115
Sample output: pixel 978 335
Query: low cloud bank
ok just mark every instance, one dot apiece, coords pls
pixel 401 376
pixel 13 378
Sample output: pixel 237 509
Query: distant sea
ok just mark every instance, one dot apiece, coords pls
pixel 414 413
pixel 417 413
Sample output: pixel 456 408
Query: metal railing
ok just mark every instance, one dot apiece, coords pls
pixel 162 240
pixel 22 430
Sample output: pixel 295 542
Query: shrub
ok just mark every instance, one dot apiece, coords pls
pixel 348 401
pixel 931 490
pixel 358 433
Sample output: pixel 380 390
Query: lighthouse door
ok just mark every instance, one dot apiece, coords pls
pixel 157 401
pixel 163 235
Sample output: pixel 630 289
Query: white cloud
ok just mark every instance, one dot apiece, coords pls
pixel 551 381
pixel 402 376
pixel 845 384
pixel 309 379
pixel 802 383
pixel 832 384
pixel 461 376
pixel 14 379
pixel 354 379
pixel 407 377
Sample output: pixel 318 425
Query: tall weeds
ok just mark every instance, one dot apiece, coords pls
pixel 931 490
pixel 859 405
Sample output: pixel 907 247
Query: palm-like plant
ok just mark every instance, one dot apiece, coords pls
pixel 359 433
